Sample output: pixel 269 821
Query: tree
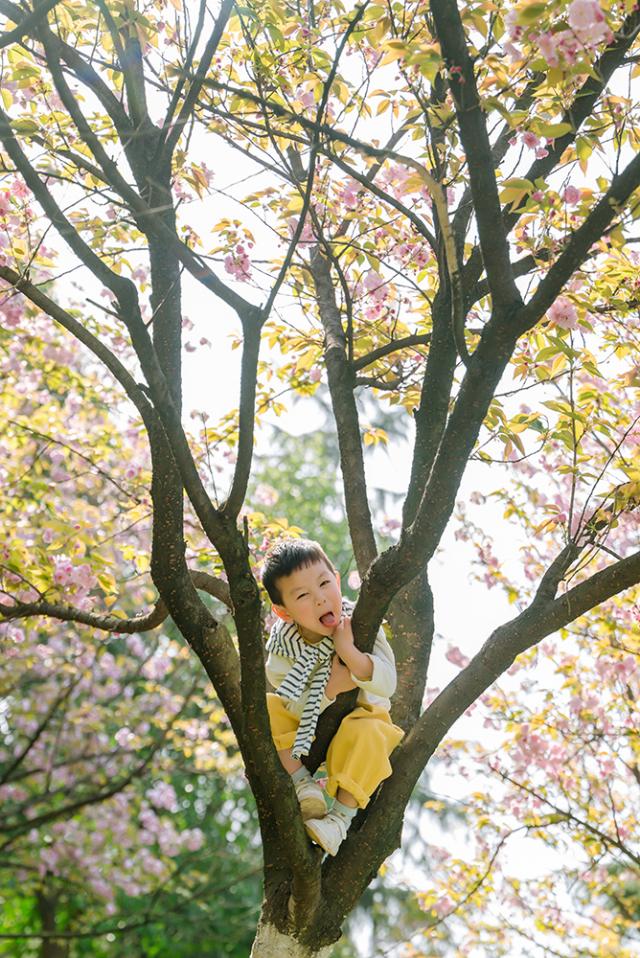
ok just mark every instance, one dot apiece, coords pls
pixel 473 258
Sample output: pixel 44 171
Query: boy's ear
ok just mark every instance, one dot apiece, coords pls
pixel 338 577
pixel 281 612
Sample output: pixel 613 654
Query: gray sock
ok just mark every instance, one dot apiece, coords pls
pixel 301 775
pixel 344 812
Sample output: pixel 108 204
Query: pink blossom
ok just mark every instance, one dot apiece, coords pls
pixel 349 194
pixel 307 100
pixel 266 495
pixel 306 236
pixel 547 44
pixel 238 264
pixel 63 570
pixel 375 286
pixel 163 795
pixel 563 313
pixel 136 646
pixel 584 18
pixel 157 667
pixel 514 29
pixel 444 906
pixel 19 188
pixel 149 820
pixel 456 657
pixel 571 195
pixel 124 737
pixel 193 839
pixel 530 139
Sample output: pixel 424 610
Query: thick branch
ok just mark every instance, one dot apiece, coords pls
pixel 344 407
pixel 475 139
pixel 246 421
pixel 435 399
pixel 129 53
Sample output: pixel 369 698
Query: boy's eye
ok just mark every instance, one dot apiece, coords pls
pixel 302 595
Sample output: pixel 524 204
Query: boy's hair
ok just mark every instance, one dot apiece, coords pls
pixel 287 556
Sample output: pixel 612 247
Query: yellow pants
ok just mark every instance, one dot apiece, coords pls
pixel 358 756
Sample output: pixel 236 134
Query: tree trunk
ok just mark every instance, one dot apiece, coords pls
pixel 270 943
pixel 50 947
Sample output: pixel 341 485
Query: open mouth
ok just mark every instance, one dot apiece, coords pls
pixel 329 620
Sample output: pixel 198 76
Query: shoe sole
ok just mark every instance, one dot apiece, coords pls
pixel 316 838
pixel 313 808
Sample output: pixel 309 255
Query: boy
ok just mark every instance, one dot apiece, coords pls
pixel 311 659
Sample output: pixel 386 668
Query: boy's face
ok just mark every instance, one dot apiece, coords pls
pixel 312 599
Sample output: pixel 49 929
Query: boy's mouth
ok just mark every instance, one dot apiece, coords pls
pixel 329 620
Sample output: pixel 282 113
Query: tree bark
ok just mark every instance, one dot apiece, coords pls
pixel 271 943
pixel 50 947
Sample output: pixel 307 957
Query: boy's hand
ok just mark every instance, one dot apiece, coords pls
pixel 339 680
pixel 343 638
pixel 357 662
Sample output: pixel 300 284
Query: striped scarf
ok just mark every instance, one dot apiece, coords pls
pixel 310 671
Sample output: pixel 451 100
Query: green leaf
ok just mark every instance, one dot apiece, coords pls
pixel 514 190
pixel 531 13
pixel 551 131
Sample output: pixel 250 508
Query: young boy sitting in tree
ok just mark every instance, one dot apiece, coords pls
pixel 311 659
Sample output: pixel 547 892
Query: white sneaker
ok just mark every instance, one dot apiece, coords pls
pixel 328 832
pixel 311 798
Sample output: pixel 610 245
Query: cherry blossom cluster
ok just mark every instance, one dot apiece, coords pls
pixel 238 263
pixel 585 30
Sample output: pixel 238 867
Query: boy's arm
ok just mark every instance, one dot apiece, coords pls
pixel 378 675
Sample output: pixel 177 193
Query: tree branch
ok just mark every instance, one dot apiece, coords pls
pixel 475 139
pixel 25 25
pixel 171 131
pixel 131 64
pixel 579 244
pixel 246 421
pixel 63 612
pixel 394 346
pixel 341 383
